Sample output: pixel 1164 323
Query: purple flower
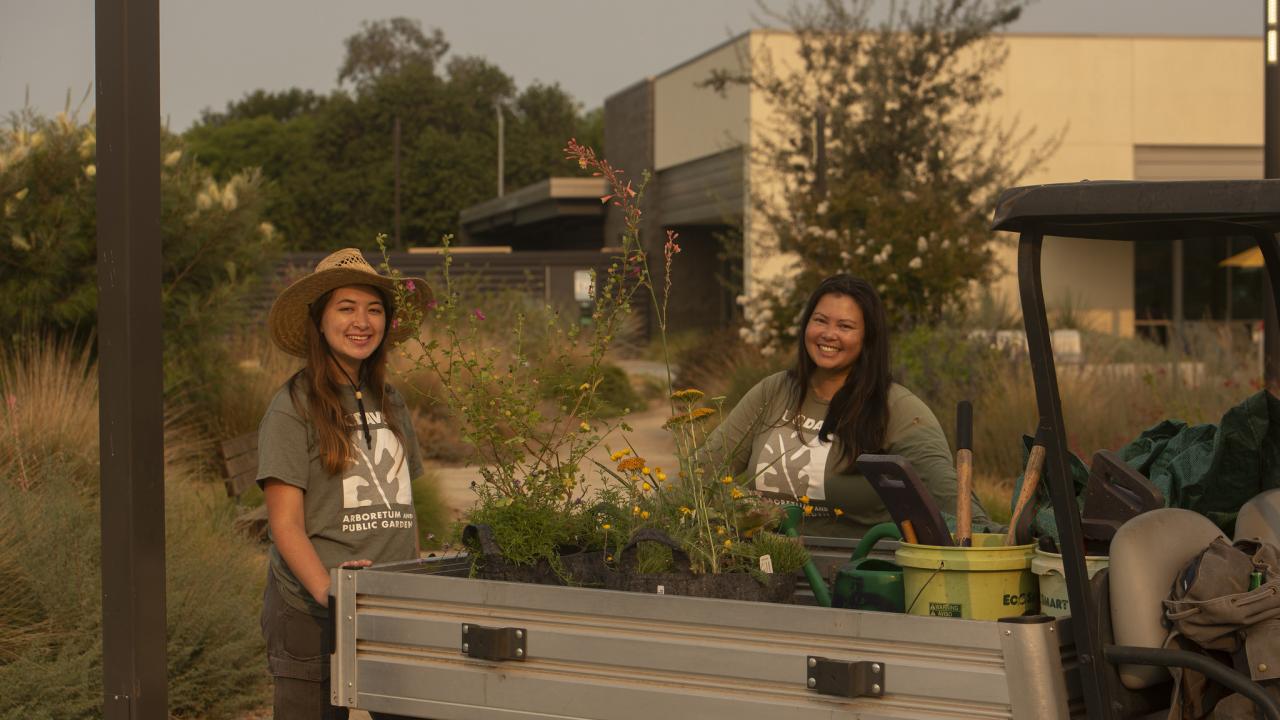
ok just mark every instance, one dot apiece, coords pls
pixel 408 285
pixel 431 304
pixel 395 323
pixel 478 313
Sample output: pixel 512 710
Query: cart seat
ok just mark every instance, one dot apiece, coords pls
pixel 1260 518
pixel 1147 554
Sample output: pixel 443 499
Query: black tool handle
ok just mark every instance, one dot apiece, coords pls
pixel 964 425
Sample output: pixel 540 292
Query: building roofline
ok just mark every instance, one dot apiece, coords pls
pixel 1080 35
pixel 551 189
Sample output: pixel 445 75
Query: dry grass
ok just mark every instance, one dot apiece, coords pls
pixel 50 571
pixel 259 369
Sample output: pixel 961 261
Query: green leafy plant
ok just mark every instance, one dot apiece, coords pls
pixel 532 410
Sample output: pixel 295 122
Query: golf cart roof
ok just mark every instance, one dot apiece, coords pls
pixel 1140 210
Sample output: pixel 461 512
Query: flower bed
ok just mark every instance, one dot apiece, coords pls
pixel 545 511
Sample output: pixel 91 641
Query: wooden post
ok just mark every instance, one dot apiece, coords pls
pixel 131 401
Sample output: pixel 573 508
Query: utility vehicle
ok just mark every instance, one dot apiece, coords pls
pixel 420 639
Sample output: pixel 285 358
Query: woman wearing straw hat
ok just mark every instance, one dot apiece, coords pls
pixel 336 454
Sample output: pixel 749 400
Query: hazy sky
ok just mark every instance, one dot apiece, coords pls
pixel 213 51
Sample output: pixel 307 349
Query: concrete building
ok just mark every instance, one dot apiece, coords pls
pixel 1145 107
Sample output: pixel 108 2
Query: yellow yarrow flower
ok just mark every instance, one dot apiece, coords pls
pixel 605 526
pixel 684 510
pixel 720 530
pixel 644 514
pixel 662 477
pixel 690 394
pixel 645 470
pixel 631 464
pixel 584 386
pixel 736 493
pixel 804 499
pixel 728 543
pixel 808 509
pixel 838 512
pixel 646 487
pixel 727 479
pixel 584 427
pixel 635 509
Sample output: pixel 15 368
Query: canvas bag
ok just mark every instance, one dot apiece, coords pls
pixel 1212 608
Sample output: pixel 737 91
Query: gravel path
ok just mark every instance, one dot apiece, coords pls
pixel 647 436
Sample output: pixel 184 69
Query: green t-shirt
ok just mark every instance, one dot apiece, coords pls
pixel 788 461
pixel 365 512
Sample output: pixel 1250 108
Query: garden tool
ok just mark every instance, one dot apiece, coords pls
pixel 906 498
pixel 1023 511
pixel 866 583
pixel 790 519
pixel 964 473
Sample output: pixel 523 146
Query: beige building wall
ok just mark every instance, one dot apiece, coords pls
pixel 692 122
pixel 1107 95
pixel 1102 95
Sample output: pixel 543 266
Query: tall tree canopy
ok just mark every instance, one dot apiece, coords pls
pixel 885 153
pixel 329 159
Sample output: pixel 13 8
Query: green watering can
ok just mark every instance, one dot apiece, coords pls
pixel 871 583
pixel 863 583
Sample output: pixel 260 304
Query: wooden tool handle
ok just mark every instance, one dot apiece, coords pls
pixel 964 473
pixel 1030 480
pixel 964 501
pixel 908 532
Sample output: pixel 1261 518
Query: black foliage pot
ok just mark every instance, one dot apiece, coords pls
pixel 572 567
pixel 779 588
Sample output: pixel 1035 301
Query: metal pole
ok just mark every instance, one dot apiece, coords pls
pixel 1175 328
pixel 395 161
pixel 1271 169
pixel 1093 667
pixel 501 131
pixel 131 401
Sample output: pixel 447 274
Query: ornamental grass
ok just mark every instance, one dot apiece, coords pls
pixel 50 559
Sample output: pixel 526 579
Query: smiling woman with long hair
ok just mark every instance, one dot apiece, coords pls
pixel 336 458
pixel 798 432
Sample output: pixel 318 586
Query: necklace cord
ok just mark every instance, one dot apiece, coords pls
pixel 364 420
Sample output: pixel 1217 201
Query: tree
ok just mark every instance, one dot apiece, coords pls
pixel 886 165
pixel 215 245
pixel 329 160
pixel 389 46
pixel 283 106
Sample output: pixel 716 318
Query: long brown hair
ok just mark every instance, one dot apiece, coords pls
pixel 859 411
pixel 323 405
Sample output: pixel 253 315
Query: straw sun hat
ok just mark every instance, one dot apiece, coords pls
pixel 289 314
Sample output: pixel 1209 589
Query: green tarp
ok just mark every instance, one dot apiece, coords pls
pixel 1211 469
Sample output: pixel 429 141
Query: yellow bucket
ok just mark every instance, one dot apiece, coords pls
pixel 988 581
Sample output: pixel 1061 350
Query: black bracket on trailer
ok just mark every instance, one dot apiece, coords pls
pixel 491 643
pixel 845 678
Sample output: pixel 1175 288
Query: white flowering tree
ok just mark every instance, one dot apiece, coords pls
pixel 214 243
pixel 886 165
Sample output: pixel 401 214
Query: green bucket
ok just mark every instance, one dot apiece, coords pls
pixel 987 581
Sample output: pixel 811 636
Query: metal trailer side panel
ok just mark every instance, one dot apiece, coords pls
pixel 629 656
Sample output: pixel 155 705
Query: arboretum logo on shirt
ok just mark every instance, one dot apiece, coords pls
pixel 378 478
pixel 790 464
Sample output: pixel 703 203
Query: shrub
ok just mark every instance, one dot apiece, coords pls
pixel 214 245
pixel 50 561
pixel 434 518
